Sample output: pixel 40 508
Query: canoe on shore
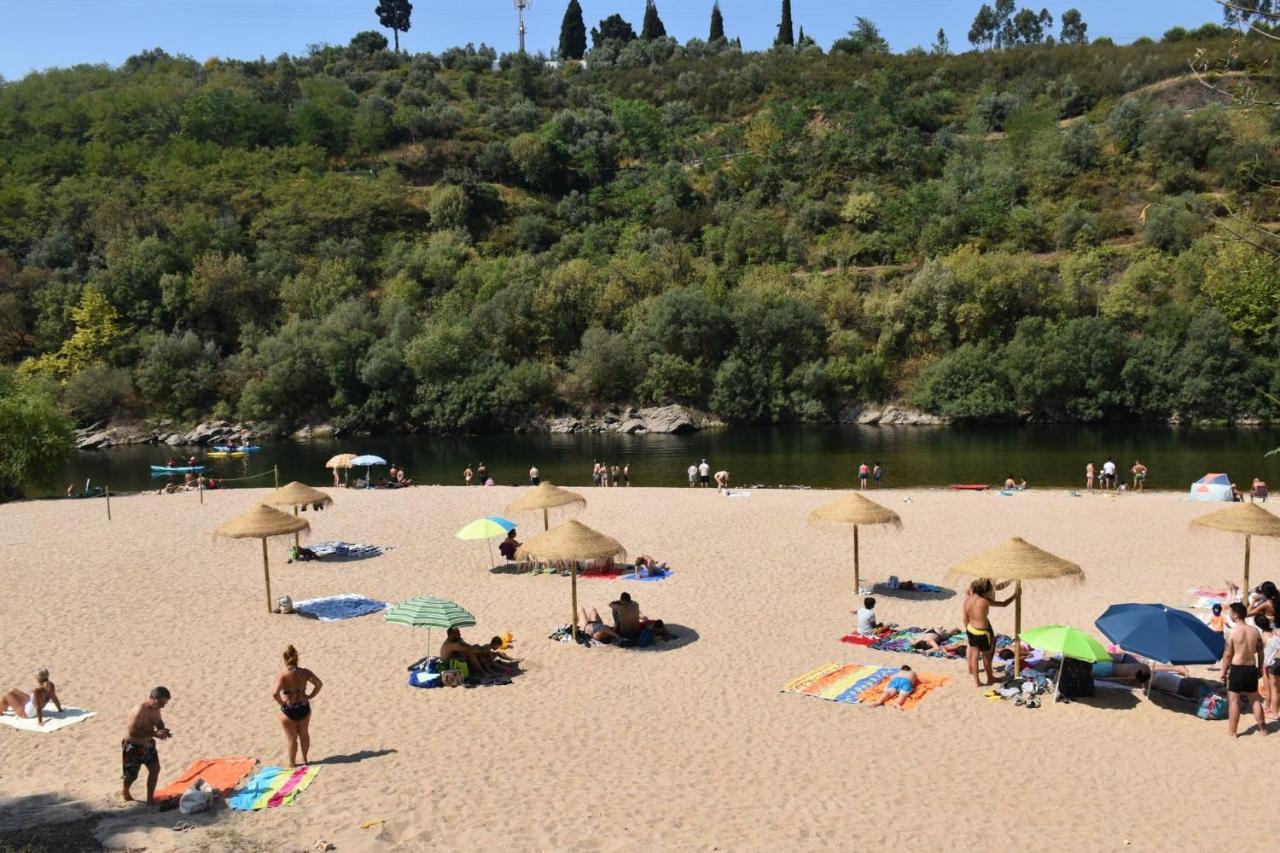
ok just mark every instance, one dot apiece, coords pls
pixel 176 469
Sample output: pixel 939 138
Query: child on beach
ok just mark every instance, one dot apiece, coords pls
pixel 901 685
pixel 867 623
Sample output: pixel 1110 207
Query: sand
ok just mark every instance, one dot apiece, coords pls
pixel 686 746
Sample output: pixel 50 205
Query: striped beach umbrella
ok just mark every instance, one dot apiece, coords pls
pixel 430 612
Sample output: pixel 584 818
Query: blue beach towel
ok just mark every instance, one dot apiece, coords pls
pixel 334 607
pixel 853 692
pixel 634 577
pixel 348 550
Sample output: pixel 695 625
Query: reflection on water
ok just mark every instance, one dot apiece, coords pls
pixel 818 456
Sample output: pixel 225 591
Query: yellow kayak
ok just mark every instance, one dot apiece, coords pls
pixel 217 454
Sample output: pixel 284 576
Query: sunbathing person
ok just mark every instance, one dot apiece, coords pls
pixel 302 554
pixel 593 626
pixel 31 706
pixel 646 566
pixel 901 686
pixel 455 648
pixel 935 639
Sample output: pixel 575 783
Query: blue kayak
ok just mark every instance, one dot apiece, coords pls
pixel 223 448
pixel 178 469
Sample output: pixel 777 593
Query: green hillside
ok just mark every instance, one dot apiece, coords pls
pixel 419 242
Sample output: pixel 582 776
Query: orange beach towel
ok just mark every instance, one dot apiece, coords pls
pixel 927 684
pixel 220 774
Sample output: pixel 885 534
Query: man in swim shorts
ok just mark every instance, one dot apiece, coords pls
pixel 977 627
pixel 901 685
pixel 138 749
pixel 1241 666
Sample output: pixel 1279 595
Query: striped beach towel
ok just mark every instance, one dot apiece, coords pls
pixel 853 683
pixel 273 787
pixel 349 550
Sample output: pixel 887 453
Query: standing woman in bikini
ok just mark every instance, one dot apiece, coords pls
pixel 32 706
pixel 291 695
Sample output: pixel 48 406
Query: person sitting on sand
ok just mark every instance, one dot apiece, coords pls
pixel 495 649
pixel 455 648
pixel 867 622
pixel 901 685
pixel 1258 490
pixel 138 749
pixel 647 567
pixel 977 626
pixel 31 706
pixel 593 626
pixel 507 547
pixel 626 616
pixel 1267 602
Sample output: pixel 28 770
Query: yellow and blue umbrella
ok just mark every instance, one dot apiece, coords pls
pixel 486 528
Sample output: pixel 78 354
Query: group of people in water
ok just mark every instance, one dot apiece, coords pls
pixel 604 474
pixel 1108 479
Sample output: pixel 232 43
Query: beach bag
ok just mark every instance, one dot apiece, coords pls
pixel 1212 706
pixel 451 678
pixel 197 798
pixel 285 603
pixel 1077 679
pixel 420 678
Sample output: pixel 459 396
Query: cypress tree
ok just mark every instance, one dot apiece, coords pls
pixel 652 27
pixel 786 35
pixel 717 23
pixel 573 32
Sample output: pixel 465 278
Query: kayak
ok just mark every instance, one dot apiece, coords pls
pixel 218 454
pixel 970 487
pixel 222 448
pixel 177 469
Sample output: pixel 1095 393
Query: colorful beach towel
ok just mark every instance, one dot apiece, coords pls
pixel 340 551
pixel 903 640
pixel 273 787
pixel 660 576
pixel 220 774
pixel 852 683
pixel 924 590
pixel 53 720
pixel 334 607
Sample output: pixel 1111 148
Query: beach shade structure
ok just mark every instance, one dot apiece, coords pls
pixel 1212 487
pixel 262 522
pixel 297 495
pixel 854 510
pixel 544 496
pixel 1161 633
pixel 342 460
pixel 367 461
pixel 1018 560
pixel 571 541
pixel 486 528
pixel 1248 519
pixel 1067 642
pixel 430 612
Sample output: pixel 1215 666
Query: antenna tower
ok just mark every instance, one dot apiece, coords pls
pixel 521 5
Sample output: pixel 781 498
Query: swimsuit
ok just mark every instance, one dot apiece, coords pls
pixel 135 756
pixel 981 639
pixel 296 710
pixel 594 628
pixel 30 709
pixel 1242 678
pixel 900 684
pixel 1104 669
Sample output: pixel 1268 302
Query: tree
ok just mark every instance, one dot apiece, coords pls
pixel 573 32
pixel 786 35
pixel 394 15
pixel 983 31
pixel 1073 28
pixel 37 435
pixel 613 28
pixel 941 47
pixel 1006 34
pixel 97 330
pixel 717 23
pixel 652 28
pixel 863 39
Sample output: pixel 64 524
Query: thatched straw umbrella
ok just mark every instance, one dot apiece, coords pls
pixel 297 495
pixel 544 496
pixel 856 510
pixel 1249 519
pixel 260 523
pixel 571 541
pixel 342 460
pixel 1017 560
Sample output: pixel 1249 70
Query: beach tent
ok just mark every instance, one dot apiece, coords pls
pixel 1211 487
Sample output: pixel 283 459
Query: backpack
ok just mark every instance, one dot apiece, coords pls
pixel 1212 706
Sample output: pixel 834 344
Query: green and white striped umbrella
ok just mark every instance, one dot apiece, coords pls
pixel 430 612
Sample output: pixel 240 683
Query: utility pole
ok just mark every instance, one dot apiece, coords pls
pixel 521 5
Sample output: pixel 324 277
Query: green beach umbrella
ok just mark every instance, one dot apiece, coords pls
pixel 1065 641
pixel 430 612
pixel 486 528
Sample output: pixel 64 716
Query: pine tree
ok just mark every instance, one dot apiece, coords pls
pixel 941 47
pixel 717 23
pixel 394 15
pixel 786 35
pixel 652 27
pixel 573 32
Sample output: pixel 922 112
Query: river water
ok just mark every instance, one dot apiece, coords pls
pixel 816 456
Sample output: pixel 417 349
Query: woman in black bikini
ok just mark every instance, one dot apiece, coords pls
pixel 290 694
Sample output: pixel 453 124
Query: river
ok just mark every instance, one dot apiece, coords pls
pixel 816 456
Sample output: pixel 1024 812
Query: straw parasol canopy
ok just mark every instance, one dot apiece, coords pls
pixel 1249 519
pixel 855 510
pixel 262 522
pixel 571 541
pixel 342 460
pixel 295 495
pixel 1018 560
pixel 544 496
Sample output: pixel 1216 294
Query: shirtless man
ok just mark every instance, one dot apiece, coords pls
pixel 722 481
pixel 1241 665
pixel 626 616
pixel 977 626
pixel 139 745
pixel 455 648
pixel 32 706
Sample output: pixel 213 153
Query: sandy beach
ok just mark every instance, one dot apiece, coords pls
pixel 688 745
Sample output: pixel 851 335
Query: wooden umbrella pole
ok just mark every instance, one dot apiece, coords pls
pixel 1244 591
pixel 1017 631
pixel 573 621
pixel 857 582
pixel 266 572
pixel 295 533
pixel 546 525
pixel 108 493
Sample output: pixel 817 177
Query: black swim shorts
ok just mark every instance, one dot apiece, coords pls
pixel 135 756
pixel 1242 678
pixel 980 641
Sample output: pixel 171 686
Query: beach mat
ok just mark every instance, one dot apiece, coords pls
pixel 273 787
pixel 646 578
pixel 220 774
pixel 926 684
pixel 331 608
pixel 921 591
pixel 852 683
pixel 338 552
pixel 53 720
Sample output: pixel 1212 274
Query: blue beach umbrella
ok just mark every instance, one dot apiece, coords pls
pixel 1161 633
pixel 368 461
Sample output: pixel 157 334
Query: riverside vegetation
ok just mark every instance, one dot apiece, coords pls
pixel 456 242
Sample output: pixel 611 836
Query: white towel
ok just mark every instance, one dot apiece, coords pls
pixel 53 720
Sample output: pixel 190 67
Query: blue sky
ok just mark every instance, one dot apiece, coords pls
pixel 38 35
